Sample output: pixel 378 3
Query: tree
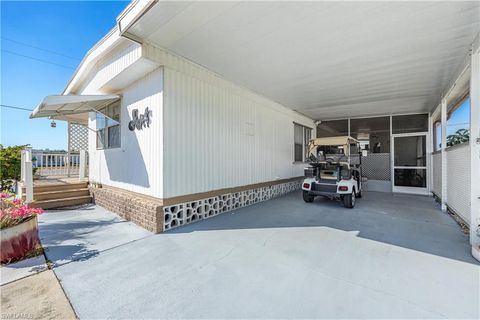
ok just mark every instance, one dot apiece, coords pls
pixel 10 166
pixel 460 136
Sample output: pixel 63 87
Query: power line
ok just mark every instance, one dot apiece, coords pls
pixel 42 49
pixel 37 59
pixel 14 107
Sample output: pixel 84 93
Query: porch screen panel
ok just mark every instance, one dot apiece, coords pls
pixel 373 133
pixel 332 128
pixel 410 123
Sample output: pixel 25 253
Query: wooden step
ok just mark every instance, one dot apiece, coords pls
pixel 59 194
pixel 58 187
pixel 59 203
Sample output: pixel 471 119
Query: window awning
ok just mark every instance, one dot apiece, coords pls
pixel 74 108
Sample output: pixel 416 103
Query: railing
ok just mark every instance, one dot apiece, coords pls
pixel 56 164
pixel 66 164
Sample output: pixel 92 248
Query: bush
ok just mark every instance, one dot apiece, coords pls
pixel 14 211
pixel 10 166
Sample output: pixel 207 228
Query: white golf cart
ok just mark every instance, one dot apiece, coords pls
pixel 335 170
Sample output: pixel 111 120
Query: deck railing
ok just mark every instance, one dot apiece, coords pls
pixel 56 164
pixel 45 165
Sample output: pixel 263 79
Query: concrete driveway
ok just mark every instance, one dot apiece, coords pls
pixel 392 256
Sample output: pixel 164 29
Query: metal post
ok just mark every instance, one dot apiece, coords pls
pixel 475 149
pixel 82 167
pixel 444 153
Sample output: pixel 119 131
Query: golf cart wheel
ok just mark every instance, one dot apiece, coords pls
pixel 307 197
pixel 349 200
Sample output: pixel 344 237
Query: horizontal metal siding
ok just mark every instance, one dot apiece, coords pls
pixel 458 180
pixel 437 174
pixel 138 165
pixel 219 136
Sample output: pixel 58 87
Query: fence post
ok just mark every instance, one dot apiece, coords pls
pixel 82 166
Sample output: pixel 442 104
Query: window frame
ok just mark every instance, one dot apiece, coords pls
pixel 305 129
pixel 104 113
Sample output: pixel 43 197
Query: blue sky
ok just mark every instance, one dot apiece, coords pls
pixel 70 28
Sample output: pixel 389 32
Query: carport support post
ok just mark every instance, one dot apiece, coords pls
pixel 83 164
pixel 444 153
pixel 475 149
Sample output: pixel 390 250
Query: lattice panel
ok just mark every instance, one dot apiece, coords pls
pixel 185 213
pixel 376 166
pixel 77 137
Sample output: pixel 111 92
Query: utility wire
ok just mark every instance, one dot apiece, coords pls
pixel 37 59
pixel 42 49
pixel 14 107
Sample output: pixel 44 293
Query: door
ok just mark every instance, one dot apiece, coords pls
pixel 409 169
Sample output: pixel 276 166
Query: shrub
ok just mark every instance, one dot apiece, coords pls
pixel 10 166
pixel 14 211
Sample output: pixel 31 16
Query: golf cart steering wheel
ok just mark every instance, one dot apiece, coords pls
pixel 329 160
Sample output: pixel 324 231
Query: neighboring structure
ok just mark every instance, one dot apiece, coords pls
pixel 199 108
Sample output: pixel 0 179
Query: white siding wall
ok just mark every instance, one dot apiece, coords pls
pixel 437 174
pixel 458 180
pixel 110 66
pixel 219 135
pixel 138 165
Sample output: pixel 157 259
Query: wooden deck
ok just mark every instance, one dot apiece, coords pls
pixel 51 181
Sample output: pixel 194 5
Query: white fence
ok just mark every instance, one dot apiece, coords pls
pixel 458 180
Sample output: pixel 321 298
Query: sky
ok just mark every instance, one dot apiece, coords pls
pixel 70 28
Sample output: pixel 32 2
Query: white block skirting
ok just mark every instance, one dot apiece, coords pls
pixel 185 213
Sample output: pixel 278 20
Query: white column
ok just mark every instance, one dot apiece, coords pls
pixel 28 175
pixel 444 153
pixel 82 166
pixel 475 150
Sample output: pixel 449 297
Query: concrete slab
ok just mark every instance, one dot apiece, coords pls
pixel 37 297
pixel 22 269
pixel 80 234
pixel 287 259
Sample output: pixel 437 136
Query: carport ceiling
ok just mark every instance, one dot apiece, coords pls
pixel 324 59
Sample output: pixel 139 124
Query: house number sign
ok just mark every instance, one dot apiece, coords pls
pixel 140 121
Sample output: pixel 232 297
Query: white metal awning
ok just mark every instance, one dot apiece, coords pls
pixel 74 108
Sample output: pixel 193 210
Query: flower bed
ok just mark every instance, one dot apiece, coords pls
pixel 18 229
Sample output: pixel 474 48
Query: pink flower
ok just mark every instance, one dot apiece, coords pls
pixel 4 195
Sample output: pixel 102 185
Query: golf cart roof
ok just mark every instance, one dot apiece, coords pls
pixel 334 141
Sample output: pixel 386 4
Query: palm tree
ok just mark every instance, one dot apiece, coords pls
pixel 460 136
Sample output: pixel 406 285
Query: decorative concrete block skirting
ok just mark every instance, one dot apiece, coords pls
pixel 158 215
pixel 184 213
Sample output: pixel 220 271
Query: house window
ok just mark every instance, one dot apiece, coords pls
pixel 302 136
pixel 108 127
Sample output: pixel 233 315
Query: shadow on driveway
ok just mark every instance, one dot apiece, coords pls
pixel 81 234
pixel 409 221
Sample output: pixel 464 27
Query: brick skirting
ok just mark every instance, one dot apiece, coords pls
pixel 151 213
pixel 141 210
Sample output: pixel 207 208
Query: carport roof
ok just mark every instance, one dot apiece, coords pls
pixel 322 59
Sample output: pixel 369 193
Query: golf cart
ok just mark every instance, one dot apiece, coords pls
pixel 335 170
